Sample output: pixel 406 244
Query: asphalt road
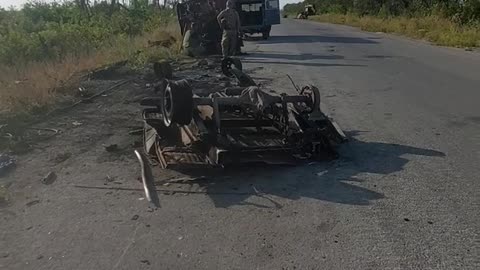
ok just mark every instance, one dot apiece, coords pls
pixel 413 113
pixel 404 193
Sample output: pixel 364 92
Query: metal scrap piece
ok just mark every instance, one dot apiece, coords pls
pixel 242 78
pixel 6 163
pixel 49 178
pixel 147 180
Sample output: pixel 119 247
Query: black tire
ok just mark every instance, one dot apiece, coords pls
pixel 227 65
pixel 177 105
pixel 243 79
pixel 266 35
pixel 266 32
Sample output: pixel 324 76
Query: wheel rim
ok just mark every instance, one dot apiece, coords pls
pixel 167 107
pixel 314 94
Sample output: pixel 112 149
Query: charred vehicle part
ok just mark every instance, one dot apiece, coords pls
pixel 232 67
pixel 236 125
pixel 199 27
pixel 310 10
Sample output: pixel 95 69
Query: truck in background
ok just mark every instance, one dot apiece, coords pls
pixel 258 16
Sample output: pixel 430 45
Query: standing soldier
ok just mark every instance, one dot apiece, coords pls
pixel 230 23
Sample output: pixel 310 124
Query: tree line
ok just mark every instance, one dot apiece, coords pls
pixel 460 11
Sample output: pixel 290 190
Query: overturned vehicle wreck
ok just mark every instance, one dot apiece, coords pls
pixel 199 28
pixel 239 124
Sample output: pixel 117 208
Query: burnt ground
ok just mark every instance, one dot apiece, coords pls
pixel 402 195
pixel 93 200
pixel 72 143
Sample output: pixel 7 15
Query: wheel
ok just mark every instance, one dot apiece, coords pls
pixel 313 93
pixel 266 32
pixel 266 35
pixel 227 65
pixel 177 105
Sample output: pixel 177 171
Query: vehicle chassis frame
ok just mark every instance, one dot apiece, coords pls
pixel 282 133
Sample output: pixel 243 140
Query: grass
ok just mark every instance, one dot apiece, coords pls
pixel 26 88
pixel 437 30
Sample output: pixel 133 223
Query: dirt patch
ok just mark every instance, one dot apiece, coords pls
pixel 42 217
pixel 99 132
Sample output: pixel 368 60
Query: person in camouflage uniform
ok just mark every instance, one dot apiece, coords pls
pixel 192 45
pixel 230 23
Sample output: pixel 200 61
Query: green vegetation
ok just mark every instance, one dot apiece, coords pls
pixel 443 22
pixel 44 47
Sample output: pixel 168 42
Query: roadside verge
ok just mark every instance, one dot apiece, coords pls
pixel 434 29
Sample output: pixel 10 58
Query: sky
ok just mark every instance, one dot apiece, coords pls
pixel 18 3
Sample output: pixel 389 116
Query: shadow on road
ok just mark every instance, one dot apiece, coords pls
pixel 298 57
pixel 295 59
pixel 306 64
pixel 312 39
pixel 332 181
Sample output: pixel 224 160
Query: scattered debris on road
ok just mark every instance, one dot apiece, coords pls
pixel 62 157
pixel 265 196
pixel 109 179
pixel 147 181
pixel 55 131
pixel 89 99
pixel 147 262
pixel 49 178
pixel 6 163
pixel 83 92
pixel 167 191
pixel 111 147
pixel 31 203
pixel 138 131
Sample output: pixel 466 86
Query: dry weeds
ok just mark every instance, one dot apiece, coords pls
pixel 435 29
pixel 39 84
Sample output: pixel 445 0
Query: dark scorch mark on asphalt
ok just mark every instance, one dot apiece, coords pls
pixel 320 181
pixel 314 39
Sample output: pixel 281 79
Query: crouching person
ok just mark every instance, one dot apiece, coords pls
pixel 192 44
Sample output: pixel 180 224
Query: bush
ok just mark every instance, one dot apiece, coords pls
pixel 44 47
pixel 337 9
pixel 436 29
pixel 43 31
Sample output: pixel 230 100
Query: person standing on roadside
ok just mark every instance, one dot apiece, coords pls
pixel 229 22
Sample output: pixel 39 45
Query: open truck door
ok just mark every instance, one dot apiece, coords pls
pixel 271 16
pixel 272 12
pixel 258 16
